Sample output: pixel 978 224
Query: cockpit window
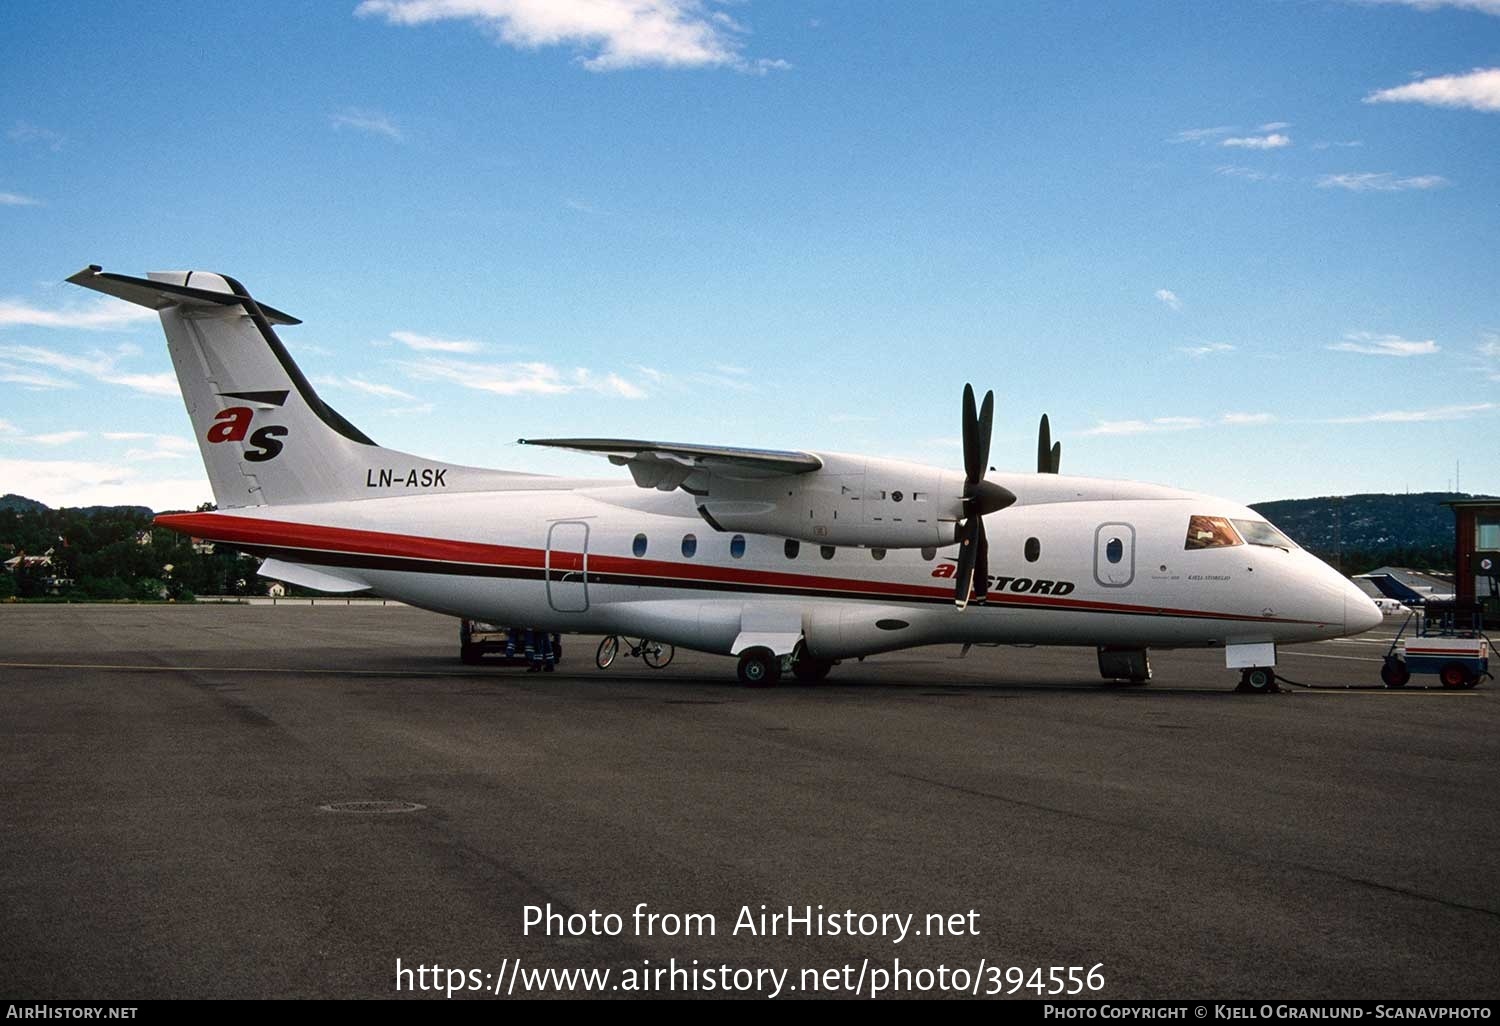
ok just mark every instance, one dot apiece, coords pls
pixel 1258 532
pixel 1211 533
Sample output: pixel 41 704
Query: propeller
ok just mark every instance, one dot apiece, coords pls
pixel 1048 455
pixel 979 497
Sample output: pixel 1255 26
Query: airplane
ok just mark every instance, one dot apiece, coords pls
pixel 786 560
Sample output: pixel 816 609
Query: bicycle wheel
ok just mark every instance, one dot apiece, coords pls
pixel 607 649
pixel 657 654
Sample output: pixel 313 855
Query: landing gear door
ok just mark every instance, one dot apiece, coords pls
pixel 568 566
pixel 1114 554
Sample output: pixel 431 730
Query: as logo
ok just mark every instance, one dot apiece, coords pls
pixel 233 425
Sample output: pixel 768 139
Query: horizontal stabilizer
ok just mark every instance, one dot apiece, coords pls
pixel 210 291
pixel 318 579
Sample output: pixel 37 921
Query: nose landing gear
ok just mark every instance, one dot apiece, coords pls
pixel 1258 680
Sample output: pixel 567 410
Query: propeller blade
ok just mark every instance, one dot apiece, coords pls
pixel 968 550
pixel 1044 447
pixel 981 565
pixel 973 468
pixel 1056 457
pixel 986 425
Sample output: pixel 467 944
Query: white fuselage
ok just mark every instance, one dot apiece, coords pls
pixel 1110 568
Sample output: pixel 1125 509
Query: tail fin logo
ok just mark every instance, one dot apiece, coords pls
pixel 234 423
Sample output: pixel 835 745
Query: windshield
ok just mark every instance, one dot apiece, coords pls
pixel 1258 532
pixel 1210 533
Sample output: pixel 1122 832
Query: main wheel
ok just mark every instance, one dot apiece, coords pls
pixel 1258 680
pixel 607 650
pixel 759 668
pixel 1454 675
pixel 805 668
pixel 657 654
pixel 1395 674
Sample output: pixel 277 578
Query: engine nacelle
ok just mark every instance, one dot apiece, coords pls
pixel 852 500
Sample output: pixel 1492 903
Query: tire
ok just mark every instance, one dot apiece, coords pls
pixel 759 668
pixel 1395 674
pixel 608 648
pixel 805 668
pixel 657 655
pixel 1258 680
pixel 1454 675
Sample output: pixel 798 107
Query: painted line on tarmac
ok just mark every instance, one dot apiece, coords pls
pixel 1321 655
pixel 155 668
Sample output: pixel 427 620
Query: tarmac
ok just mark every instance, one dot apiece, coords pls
pixel 171 775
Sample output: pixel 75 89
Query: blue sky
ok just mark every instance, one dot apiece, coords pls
pixel 1246 248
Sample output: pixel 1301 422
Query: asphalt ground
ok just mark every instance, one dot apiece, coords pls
pixel 164 772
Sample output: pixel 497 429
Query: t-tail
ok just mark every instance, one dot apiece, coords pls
pixel 266 436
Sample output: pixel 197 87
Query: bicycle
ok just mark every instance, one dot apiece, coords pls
pixel 655 653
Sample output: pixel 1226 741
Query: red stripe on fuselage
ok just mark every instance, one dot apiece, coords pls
pixel 254 531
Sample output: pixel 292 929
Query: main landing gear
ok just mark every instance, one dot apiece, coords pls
pixel 762 668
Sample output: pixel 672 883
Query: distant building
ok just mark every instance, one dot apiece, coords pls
pixel 276 590
pixel 21 559
pixel 143 537
pixel 1476 554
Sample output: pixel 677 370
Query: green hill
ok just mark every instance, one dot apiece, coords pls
pixel 1360 532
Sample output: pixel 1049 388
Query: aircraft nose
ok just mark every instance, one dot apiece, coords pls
pixel 1360 614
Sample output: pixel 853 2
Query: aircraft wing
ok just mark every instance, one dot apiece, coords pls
pixel 668 465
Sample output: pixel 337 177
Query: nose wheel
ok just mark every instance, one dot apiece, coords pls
pixel 1258 680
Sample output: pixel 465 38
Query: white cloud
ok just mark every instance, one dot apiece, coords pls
pixel 432 344
pixel 615 33
pixel 527 378
pixel 34 381
pixel 1478 90
pixel 1482 6
pixel 103 367
pixel 1199 135
pixel 1249 174
pixel 1169 297
pixel 1383 345
pixel 1385 181
pixel 1273 126
pixel 367 387
pixel 87 483
pixel 1140 427
pixel 1206 349
pixel 15 199
pixel 104 314
pixel 57 437
pixel 371 122
pixel 1247 418
pixel 27 134
pixel 7 428
pixel 163 384
pixel 1416 416
pixel 1274 141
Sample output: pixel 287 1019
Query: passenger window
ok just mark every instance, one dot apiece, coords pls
pixel 689 545
pixel 826 551
pixel 793 546
pixel 639 545
pixel 929 552
pixel 878 553
pixel 1211 533
pixel 737 546
pixel 1033 550
pixel 1115 550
